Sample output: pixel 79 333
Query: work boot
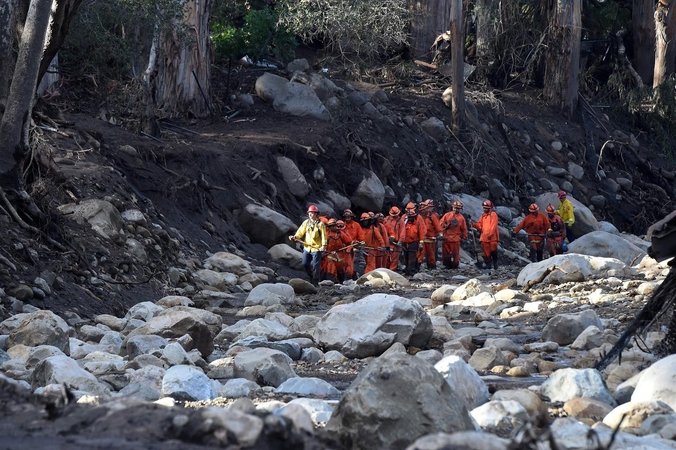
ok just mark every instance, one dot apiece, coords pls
pixel 494 255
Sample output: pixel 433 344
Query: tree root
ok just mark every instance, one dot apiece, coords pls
pixel 24 225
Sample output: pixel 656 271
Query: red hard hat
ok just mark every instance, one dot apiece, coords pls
pixel 410 205
pixel 364 216
pixel 487 204
pixel 550 209
pixel 562 194
pixel 533 208
pixel 394 211
pixel 340 224
pixel 380 216
pixel 457 204
pixel 348 213
pixel 331 222
pixel 313 208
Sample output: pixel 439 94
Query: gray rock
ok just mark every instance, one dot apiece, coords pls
pixel 393 402
pixel 464 381
pixel 293 98
pixel 435 128
pixel 101 215
pixel 466 440
pixel 290 348
pixel 485 359
pixel 265 366
pixel 264 226
pixel 41 328
pixel 603 244
pixel 500 415
pixel 371 325
pixel 307 386
pixel 143 311
pixel 286 255
pixel 237 387
pixel 293 178
pixel 370 193
pixel 141 345
pixel 575 170
pixel 62 369
pixel 565 328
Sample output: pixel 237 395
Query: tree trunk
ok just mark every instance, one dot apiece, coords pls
pixel 431 17
pixel 665 48
pixel 24 81
pixel 63 15
pixel 458 66
pixel 7 15
pixel 563 55
pixel 643 25
pixel 183 78
pixel 485 28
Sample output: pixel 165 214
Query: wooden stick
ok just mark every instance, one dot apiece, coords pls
pixel 539 279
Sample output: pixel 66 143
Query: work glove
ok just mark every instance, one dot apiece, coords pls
pixel 422 242
pixel 440 236
pixel 570 222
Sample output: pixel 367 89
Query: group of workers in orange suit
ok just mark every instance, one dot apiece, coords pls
pixel 412 238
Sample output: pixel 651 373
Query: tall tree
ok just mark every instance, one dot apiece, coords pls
pixel 184 63
pixel 431 18
pixel 665 47
pixel 22 88
pixel 458 66
pixel 643 27
pixel 562 72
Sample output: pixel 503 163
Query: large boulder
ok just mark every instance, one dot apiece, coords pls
pixel 285 255
pixel 371 325
pixel 465 382
pixel 62 369
pixel 565 328
pixel 268 294
pixel 574 265
pixel 394 401
pixel 567 384
pixel 370 194
pixel 294 98
pixel 264 366
pixel 585 222
pixel 601 243
pixel 174 323
pixel 293 178
pixel 658 382
pixel 187 383
pixel 227 262
pixel 264 225
pixel 41 328
pixel 101 215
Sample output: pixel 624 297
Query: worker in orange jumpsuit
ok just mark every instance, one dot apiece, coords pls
pixel 337 240
pixel 536 225
pixel 374 241
pixel 357 234
pixel 556 232
pixel 412 231
pixel 490 237
pixel 429 247
pixel 391 222
pixel 382 259
pixel 454 228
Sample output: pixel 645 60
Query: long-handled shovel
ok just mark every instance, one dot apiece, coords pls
pixel 478 264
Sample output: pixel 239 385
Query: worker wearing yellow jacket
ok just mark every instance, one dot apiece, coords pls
pixel 312 233
pixel 567 212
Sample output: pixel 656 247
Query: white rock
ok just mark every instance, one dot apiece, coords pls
pixel 309 386
pixel 237 387
pixel 498 415
pixel 62 369
pixel 600 243
pixel 187 383
pixel 658 383
pixel 268 294
pixel 566 384
pixel 264 366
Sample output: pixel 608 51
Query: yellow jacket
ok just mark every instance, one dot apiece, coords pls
pixel 313 234
pixel 567 212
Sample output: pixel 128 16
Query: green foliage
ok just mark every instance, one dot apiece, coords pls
pixel 259 36
pixel 111 38
pixel 366 29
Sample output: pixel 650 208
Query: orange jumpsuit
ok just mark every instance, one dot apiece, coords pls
pixel 454 228
pixel 374 242
pixel 555 235
pixel 429 247
pixel 382 260
pixel 490 237
pixel 536 224
pixel 357 234
pixel 412 230
pixel 334 263
pixel 392 225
